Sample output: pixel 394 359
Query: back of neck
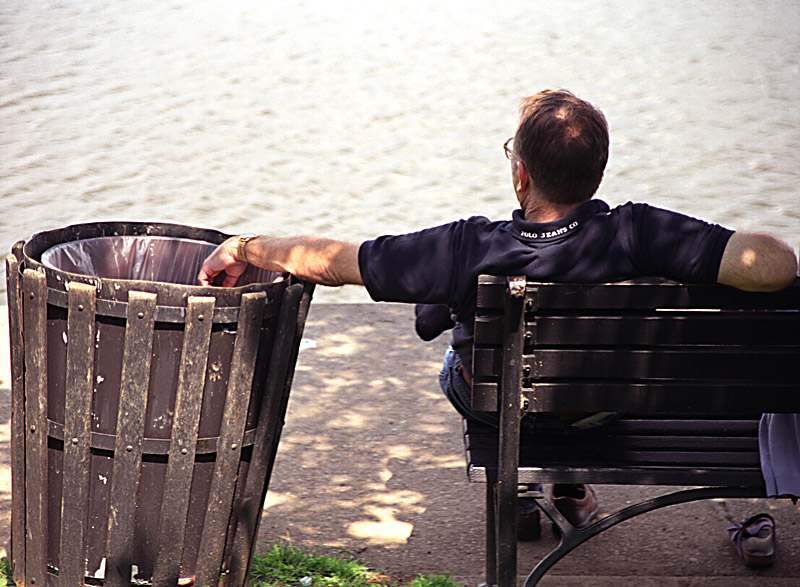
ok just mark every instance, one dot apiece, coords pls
pixel 540 212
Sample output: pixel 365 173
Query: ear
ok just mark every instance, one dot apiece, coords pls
pixel 523 179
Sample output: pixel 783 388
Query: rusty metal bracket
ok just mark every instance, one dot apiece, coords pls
pixel 516 286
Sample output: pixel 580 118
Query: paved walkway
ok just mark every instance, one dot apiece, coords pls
pixel 371 462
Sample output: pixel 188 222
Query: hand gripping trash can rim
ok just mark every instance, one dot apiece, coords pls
pixel 171 393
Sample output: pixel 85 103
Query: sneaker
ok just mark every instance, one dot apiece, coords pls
pixel 754 540
pixel 577 502
pixel 529 526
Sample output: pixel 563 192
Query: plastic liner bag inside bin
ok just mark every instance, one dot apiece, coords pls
pixel 143 258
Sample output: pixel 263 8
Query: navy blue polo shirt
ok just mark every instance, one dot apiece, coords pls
pixel 593 243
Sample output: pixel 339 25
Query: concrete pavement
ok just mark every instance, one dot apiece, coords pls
pixel 371 462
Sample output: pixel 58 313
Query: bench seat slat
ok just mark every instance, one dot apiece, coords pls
pixel 631 475
pixel 714 444
pixel 639 424
pixel 694 443
pixel 724 426
pixel 628 475
pixel 612 458
pixel 610 455
pixel 552 464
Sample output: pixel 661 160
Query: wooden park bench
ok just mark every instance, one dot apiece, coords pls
pixel 689 368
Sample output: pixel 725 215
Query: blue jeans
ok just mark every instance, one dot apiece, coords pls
pixel 457 390
pixel 460 395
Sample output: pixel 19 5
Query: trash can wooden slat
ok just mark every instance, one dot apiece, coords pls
pixel 233 422
pixel 183 444
pixel 268 431
pixel 17 555
pixel 135 381
pixel 81 335
pixel 145 415
pixel 36 466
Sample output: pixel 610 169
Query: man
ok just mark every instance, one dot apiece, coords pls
pixel 559 233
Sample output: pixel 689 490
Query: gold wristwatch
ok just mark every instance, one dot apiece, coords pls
pixel 240 248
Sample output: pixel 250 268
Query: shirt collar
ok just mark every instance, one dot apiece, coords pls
pixel 548 231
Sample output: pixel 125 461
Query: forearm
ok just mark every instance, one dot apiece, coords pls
pixel 757 262
pixel 320 260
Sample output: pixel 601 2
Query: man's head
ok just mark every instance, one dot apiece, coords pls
pixel 563 143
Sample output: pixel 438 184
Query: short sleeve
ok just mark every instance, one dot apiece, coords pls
pixel 676 246
pixel 416 267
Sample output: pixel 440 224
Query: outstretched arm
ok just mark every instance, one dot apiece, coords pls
pixel 757 262
pixel 316 259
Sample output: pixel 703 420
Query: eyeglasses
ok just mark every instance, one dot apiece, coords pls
pixel 509 152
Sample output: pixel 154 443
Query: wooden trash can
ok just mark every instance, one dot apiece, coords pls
pixel 146 411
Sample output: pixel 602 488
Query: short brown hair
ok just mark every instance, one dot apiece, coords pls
pixel 563 142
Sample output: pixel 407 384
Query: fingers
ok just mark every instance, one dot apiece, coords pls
pixel 230 280
pixel 222 260
pixel 204 278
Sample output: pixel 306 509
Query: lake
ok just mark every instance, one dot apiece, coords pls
pixel 354 120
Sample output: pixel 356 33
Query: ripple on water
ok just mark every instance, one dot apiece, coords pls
pixel 358 120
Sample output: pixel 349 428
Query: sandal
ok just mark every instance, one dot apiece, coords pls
pixel 754 540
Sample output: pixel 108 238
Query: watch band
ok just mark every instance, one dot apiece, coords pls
pixel 241 253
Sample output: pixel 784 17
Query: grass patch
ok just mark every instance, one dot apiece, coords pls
pixel 286 565
pixel 5 572
pixel 435 581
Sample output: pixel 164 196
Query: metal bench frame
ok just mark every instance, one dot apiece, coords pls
pixel 690 368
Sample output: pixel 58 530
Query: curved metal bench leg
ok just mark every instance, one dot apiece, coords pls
pixel 572 537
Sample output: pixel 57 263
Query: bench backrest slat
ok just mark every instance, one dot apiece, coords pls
pixel 664 327
pixel 637 294
pixel 644 347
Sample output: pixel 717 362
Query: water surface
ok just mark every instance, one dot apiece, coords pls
pixel 354 120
